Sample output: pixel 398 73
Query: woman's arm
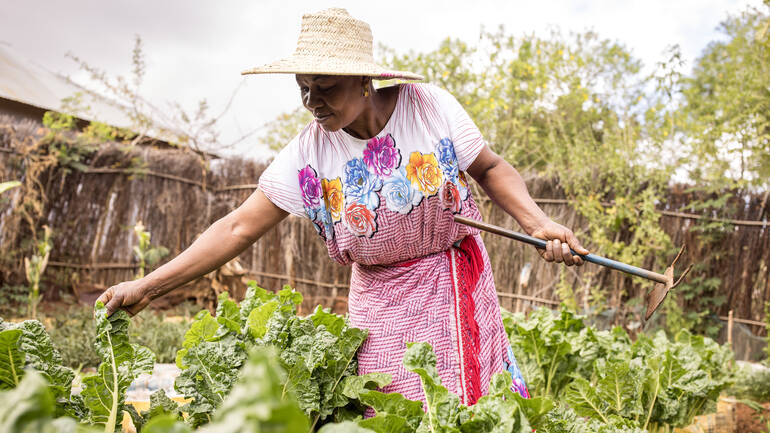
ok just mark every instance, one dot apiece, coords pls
pixel 222 241
pixel 504 185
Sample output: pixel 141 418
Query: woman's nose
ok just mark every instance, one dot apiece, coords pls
pixel 312 100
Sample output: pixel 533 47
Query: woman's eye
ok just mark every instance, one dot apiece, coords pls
pixel 325 89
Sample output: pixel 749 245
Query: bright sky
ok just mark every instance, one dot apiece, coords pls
pixel 196 49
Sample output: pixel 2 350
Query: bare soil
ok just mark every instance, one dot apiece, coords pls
pixel 747 420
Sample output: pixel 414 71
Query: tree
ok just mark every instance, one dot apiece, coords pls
pixel 727 105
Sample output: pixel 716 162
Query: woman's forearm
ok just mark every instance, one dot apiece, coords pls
pixel 505 186
pixel 213 248
pixel 220 243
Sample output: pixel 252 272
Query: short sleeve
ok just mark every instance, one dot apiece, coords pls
pixel 279 181
pixel 467 139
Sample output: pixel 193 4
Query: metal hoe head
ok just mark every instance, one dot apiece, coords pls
pixel 658 293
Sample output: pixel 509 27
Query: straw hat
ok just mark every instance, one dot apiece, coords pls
pixel 333 43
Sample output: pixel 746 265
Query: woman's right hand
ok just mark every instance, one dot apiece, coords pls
pixel 131 296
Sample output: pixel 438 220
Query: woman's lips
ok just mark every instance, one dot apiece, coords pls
pixel 323 118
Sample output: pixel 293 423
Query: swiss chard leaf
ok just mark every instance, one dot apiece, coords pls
pixel 104 393
pixel 211 370
pixel 441 405
pixel 30 408
pixel 11 359
pixel 258 401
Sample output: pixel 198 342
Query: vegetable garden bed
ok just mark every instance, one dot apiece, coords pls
pixel 257 367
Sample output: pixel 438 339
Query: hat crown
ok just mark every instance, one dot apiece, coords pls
pixel 333 33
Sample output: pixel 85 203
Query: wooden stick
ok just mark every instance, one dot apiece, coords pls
pixel 527 298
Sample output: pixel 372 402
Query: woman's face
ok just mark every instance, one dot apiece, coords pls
pixel 335 101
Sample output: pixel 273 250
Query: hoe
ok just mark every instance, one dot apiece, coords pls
pixel 655 297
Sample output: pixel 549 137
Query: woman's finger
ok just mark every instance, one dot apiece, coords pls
pixel 578 260
pixel 136 308
pixel 114 303
pixel 557 252
pixel 567 255
pixel 575 244
pixel 105 297
pixel 548 251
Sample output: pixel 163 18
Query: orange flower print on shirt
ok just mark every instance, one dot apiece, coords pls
pixel 333 197
pixel 424 173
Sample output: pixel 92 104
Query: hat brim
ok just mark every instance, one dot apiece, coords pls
pixel 330 66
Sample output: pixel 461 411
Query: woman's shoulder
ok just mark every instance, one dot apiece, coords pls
pixel 426 96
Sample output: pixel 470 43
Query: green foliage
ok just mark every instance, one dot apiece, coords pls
pixel 25 346
pixel 13 300
pixel 726 105
pixel 5 186
pixel 163 337
pixel 285 127
pixel 34 266
pixel 653 383
pixel 73 334
pixel 104 393
pixel 751 382
pixel 317 352
pixel 307 377
pixel 147 255
pixel 259 401
pixel 30 408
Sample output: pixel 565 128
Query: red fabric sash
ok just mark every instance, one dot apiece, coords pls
pixel 468 267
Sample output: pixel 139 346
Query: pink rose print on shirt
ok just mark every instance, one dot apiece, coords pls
pixel 450 197
pixel 360 220
pixel 382 156
pixel 310 185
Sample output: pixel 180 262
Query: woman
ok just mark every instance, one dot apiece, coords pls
pixel 380 173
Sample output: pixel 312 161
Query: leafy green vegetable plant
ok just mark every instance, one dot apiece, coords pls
pixel 104 393
pixel 146 254
pixel 34 267
pixel 652 384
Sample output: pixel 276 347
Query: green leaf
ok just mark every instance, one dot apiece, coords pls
pixel 584 399
pixel 11 359
pixel 352 386
pixel 5 186
pixel 620 386
pixel 29 408
pixel 255 296
pixel 442 406
pixel 41 355
pixel 104 393
pixel 136 419
pixel 203 328
pixel 259 317
pixel 212 369
pixel 347 427
pixel 289 296
pixel 257 402
pixel 161 405
pixel 333 322
pixel 228 314
pixel 166 424
pixel 393 412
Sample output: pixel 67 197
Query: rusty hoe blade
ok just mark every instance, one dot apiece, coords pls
pixel 665 281
pixel 658 293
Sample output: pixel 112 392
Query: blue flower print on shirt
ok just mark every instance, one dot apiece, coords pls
pixel 518 380
pixel 447 159
pixel 399 194
pixel 325 220
pixel 361 186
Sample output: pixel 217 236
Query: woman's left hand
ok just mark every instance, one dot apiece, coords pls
pixel 560 240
